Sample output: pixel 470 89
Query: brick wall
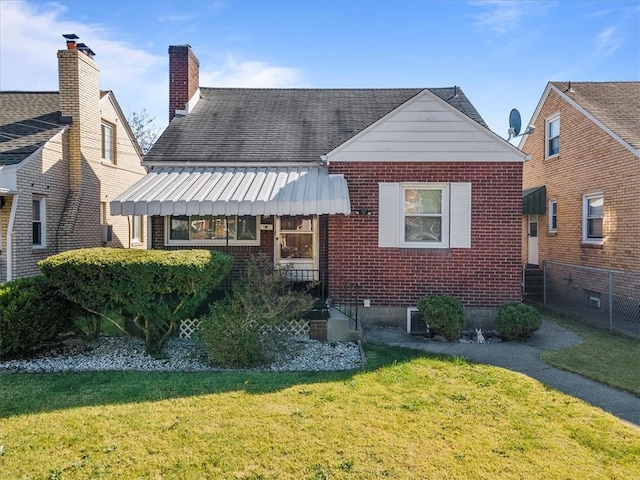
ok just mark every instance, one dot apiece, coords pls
pixel 589 161
pixel 483 276
pixel 183 77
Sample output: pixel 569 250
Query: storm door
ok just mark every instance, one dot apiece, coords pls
pixel 296 243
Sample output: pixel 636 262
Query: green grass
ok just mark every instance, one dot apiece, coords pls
pixel 603 356
pixel 408 415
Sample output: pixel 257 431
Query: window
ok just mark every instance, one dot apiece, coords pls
pixel 424 215
pixel 39 224
pixel 211 229
pixel 108 142
pixel 553 215
pixel 136 229
pixel 592 218
pixel 553 136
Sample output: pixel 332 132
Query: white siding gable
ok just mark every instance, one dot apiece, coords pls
pixel 426 129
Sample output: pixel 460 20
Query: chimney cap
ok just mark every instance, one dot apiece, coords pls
pixel 70 36
pixel 83 48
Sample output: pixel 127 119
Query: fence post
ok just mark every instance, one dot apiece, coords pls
pixel 544 283
pixel 610 303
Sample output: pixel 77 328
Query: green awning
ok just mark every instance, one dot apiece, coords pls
pixel 534 200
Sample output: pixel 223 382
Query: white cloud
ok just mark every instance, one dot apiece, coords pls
pixel 31 34
pixel 250 74
pixel 608 41
pixel 503 16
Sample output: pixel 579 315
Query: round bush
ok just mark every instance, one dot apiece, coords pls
pixel 443 315
pixel 517 321
pixel 32 311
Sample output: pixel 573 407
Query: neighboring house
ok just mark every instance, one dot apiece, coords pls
pixel 63 157
pixel 582 182
pixel 402 192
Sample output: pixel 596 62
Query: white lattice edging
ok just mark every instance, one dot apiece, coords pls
pixel 188 327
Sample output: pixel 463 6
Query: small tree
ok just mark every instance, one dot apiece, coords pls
pixel 144 129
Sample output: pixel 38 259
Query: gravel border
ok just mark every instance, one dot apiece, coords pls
pixel 122 353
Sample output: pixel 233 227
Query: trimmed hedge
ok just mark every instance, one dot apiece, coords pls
pixel 155 289
pixel 517 321
pixel 32 312
pixel 443 315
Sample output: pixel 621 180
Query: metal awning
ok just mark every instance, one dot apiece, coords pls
pixel 235 191
pixel 534 200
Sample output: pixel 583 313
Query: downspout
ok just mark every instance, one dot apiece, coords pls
pixel 12 219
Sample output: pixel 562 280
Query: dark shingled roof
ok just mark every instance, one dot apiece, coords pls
pixel 243 125
pixel 615 104
pixel 27 121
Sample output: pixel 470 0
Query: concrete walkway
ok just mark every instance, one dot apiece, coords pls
pixel 524 357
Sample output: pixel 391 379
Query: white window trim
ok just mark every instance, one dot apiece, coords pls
pixel 138 238
pixel 221 242
pixel 456 210
pixel 43 221
pixel 585 208
pixel 444 215
pixel 111 127
pixel 546 135
pixel 553 229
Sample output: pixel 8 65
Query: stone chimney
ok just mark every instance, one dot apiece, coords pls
pixel 184 80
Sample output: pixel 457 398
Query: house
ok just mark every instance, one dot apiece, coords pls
pixel 383 195
pixel 63 157
pixel 581 198
pixel 582 182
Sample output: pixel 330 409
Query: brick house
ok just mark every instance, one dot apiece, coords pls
pixel 582 182
pixel 397 193
pixel 63 157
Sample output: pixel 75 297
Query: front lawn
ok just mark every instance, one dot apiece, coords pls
pixel 408 415
pixel 603 356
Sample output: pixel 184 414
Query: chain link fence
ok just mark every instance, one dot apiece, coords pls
pixel 606 298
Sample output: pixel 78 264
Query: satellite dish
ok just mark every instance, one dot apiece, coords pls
pixel 515 123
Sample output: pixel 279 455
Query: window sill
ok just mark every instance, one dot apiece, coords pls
pixel 596 245
pixel 552 157
pixel 553 233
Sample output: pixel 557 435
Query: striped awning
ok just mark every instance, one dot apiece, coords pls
pixel 235 191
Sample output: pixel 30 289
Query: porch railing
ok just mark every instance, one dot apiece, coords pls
pixel 345 297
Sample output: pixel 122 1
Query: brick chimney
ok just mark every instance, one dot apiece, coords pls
pixel 184 80
pixel 79 100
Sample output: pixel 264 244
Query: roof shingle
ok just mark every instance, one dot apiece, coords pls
pixel 615 104
pixel 242 125
pixel 27 121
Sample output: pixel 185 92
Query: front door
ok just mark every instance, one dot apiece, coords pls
pixel 532 240
pixel 296 244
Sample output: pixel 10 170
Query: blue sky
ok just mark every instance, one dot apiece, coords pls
pixel 501 53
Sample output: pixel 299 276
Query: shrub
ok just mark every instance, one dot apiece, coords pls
pixel 243 330
pixel 443 315
pixel 155 289
pixel 32 312
pixel 231 340
pixel 517 321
